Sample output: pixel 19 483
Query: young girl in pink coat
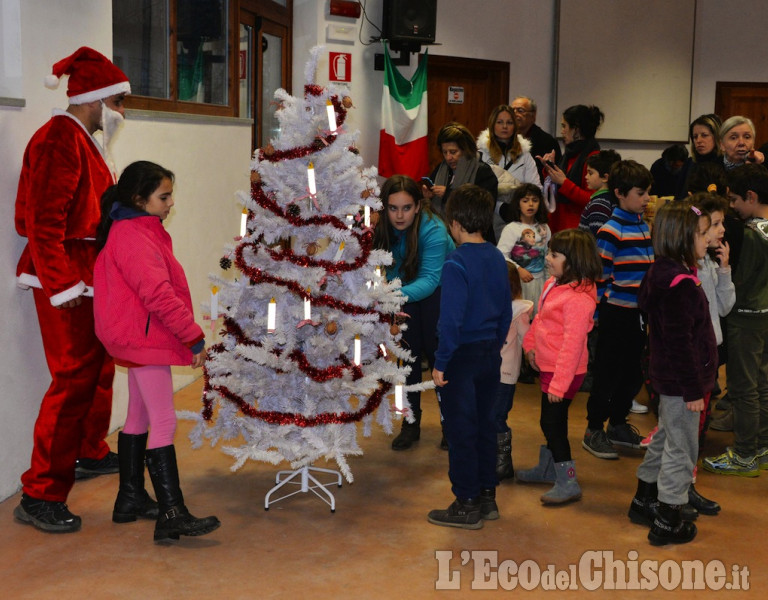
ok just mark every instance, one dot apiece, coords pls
pixel 556 345
pixel 144 317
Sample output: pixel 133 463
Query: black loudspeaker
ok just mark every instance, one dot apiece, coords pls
pixel 409 24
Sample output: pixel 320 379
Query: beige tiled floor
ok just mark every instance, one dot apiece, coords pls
pixel 378 544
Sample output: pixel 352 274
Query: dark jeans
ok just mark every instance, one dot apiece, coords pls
pixel 747 379
pixel 617 376
pixel 466 405
pixel 421 339
pixel 505 396
pixel 554 425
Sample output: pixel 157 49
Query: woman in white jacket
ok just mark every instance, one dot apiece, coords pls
pixel 508 154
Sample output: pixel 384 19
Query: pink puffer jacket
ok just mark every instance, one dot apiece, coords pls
pixel 559 331
pixel 142 305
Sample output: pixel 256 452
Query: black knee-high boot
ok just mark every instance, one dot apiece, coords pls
pixel 132 501
pixel 174 518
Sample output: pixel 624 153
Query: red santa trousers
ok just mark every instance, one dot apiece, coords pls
pixel 75 411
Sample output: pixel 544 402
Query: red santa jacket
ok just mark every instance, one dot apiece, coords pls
pixel 63 176
pixel 142 305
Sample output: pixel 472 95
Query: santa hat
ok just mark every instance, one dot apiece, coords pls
pixel 92 76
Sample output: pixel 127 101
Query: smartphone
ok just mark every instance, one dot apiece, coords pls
pixel 428 182
pixel 549 163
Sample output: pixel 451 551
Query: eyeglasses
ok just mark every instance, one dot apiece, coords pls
pixel 519 110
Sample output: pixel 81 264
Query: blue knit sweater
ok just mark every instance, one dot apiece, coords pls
pixel 475 300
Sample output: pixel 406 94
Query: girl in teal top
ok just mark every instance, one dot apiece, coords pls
pixel 419 243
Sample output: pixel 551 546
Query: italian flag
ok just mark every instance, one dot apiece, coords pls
pixel 403 146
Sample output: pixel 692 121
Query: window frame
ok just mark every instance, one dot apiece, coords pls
pixel 266 8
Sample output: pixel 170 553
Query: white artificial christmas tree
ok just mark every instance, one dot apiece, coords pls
pixel 285 384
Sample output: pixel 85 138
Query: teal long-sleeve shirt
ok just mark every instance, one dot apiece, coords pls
pixel 434 245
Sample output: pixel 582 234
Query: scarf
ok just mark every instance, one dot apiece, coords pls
pixel 466 172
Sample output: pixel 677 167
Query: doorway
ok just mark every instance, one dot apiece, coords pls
pixel 265 66
pixel 464 90
pixel 747 99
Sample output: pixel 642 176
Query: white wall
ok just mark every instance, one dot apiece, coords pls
pixel 210 161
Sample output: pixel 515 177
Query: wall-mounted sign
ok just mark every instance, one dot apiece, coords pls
pixel 339 66
pixel 455 94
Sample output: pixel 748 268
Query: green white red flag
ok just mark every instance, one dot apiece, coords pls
pixel 403 146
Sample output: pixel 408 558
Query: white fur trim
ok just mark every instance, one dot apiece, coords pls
pixel 51 82
pixel 118 88
pixel 26 281
pixel 70 294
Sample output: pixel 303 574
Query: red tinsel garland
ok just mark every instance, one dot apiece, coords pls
pixel 282 418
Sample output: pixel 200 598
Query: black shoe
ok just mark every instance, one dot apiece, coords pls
pixel 504 467
pixel 132 501
pixel 669 527
pixel 53 517
pixel 489 510
pixel 642 510
pixel 86 468
pixel 174 519
pixel 462 513
pixel 702 504
pixel 409 433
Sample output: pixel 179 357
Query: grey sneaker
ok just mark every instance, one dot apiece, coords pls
pixel 762 459
pixel 625 435
pixel 596 442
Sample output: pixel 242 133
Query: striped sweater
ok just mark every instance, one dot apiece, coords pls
pixel 625 248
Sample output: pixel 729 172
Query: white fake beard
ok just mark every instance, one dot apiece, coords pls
pixel 111 122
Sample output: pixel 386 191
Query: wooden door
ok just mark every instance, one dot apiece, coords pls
pixel 746 99
pixel 484 84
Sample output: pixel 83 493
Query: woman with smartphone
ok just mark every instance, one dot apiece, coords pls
pixel 460 165
pixel 579 126
pixel 419 242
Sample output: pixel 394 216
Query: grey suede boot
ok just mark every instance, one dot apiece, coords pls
pixel 544 472
pixel 566 488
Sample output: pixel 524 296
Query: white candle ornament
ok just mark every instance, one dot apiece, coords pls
pixel 367 217
pixel 399 396
pixel 214 303
pixel 307 308
pixel 244 223
pixel 271 316
pixel 331 116
pixel 357 350
pixel 311 179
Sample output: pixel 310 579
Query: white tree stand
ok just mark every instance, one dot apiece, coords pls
pixel 305 478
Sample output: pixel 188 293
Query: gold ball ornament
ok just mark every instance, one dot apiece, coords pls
pixel 346 102
pixel 255 177
pixel 331 328
pixel 394 329
pixel 312 249
pixel 269 150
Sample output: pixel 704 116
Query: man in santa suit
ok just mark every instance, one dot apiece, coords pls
pixel 64 173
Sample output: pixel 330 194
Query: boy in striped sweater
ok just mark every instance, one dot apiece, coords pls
pixel 625 248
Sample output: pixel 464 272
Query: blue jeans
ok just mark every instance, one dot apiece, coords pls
pixel 505 396
pixel 467 408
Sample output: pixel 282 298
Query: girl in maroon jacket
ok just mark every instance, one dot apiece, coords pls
pixel 144 318
pixel 683 366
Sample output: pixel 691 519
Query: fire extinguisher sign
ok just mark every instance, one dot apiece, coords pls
pixel 339 66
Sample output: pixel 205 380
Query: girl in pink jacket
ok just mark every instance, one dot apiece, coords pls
pixel 144 317
pixel 556 345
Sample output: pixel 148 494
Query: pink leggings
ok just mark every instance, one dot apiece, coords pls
pixel 150 405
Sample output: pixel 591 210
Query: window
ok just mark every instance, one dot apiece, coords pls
pixel 176 53
pixel 200 56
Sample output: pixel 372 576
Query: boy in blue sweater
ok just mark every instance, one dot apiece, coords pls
pixel 475 313
pixel 625 248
